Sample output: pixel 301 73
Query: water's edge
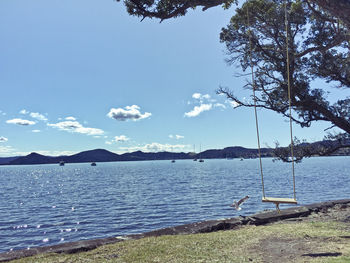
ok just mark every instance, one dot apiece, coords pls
pixel 194 228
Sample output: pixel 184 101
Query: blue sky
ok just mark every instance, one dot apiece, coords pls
pixel 79 75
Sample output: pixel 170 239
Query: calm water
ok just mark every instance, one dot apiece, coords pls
pixel 48 204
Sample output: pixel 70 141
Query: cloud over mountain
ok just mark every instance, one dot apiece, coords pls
pixel 75 127
pixel 156 147
pixel 116 139
pixel 6 150
pixel 128 113
pixel 176 136
pixel 121 138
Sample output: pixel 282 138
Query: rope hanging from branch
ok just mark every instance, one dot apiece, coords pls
pixel 255 104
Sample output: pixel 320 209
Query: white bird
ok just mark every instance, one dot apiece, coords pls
pixel 240 202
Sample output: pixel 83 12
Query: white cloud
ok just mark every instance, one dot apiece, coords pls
pixel 121 138
pixel 198 110
pixel 34 115
pixel 38 116
pixel 156 147
pixel 219 105
pixel 55 153
pixel 201 97
pixel 75 127
pixel 36 131
pixel 116 139
pixel 196 96
pixel 21 122
pixel 70 118
pixel 232 103
pixel 6 151
pixel 176 136
pixel 3 139
pixel 206 103
pixel 129 113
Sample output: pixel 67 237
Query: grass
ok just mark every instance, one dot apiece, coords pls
pixel 277 243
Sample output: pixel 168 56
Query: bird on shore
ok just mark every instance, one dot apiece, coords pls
pixel 239 203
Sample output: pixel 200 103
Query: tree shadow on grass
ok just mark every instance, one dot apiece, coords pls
pixel 323 254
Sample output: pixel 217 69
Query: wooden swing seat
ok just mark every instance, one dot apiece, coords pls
pixel 277 201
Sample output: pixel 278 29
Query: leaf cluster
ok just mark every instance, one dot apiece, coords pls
pixel 165 9
pixel 272 37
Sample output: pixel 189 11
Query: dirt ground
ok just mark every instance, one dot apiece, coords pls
pixel 307 248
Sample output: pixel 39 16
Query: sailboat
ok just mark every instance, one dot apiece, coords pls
pixel 200 153
pixel 173 160
pixel 194 151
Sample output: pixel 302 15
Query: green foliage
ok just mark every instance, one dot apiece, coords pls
pixel 318 47
pixel 165 9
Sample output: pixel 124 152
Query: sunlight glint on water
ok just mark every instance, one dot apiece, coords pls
pixel 43 205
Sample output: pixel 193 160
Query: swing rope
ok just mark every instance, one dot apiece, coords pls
pixel 255 104
pixel 289 98
pixel 254 96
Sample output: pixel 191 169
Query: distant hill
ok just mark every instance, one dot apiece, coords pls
pixel 4 160
pixel 102 155
pixel 235 152
pixel 98 155
pixel 35 158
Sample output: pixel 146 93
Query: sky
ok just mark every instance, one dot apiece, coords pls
pixel 81 75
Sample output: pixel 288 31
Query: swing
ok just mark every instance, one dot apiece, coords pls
pixel 276 200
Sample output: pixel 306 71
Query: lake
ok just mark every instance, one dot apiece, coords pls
pixel 43 205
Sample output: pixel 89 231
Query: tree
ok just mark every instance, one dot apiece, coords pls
pixel 318 48
pixel 165 9
pixel 319 39
pixel 339 9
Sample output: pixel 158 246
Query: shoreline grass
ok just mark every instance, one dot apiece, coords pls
pixel 278 242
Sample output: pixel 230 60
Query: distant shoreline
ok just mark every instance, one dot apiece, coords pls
pixel 102 155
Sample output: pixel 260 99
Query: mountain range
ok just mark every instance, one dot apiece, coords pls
pixel 101 155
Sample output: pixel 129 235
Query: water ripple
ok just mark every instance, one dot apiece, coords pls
pixel 47 204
